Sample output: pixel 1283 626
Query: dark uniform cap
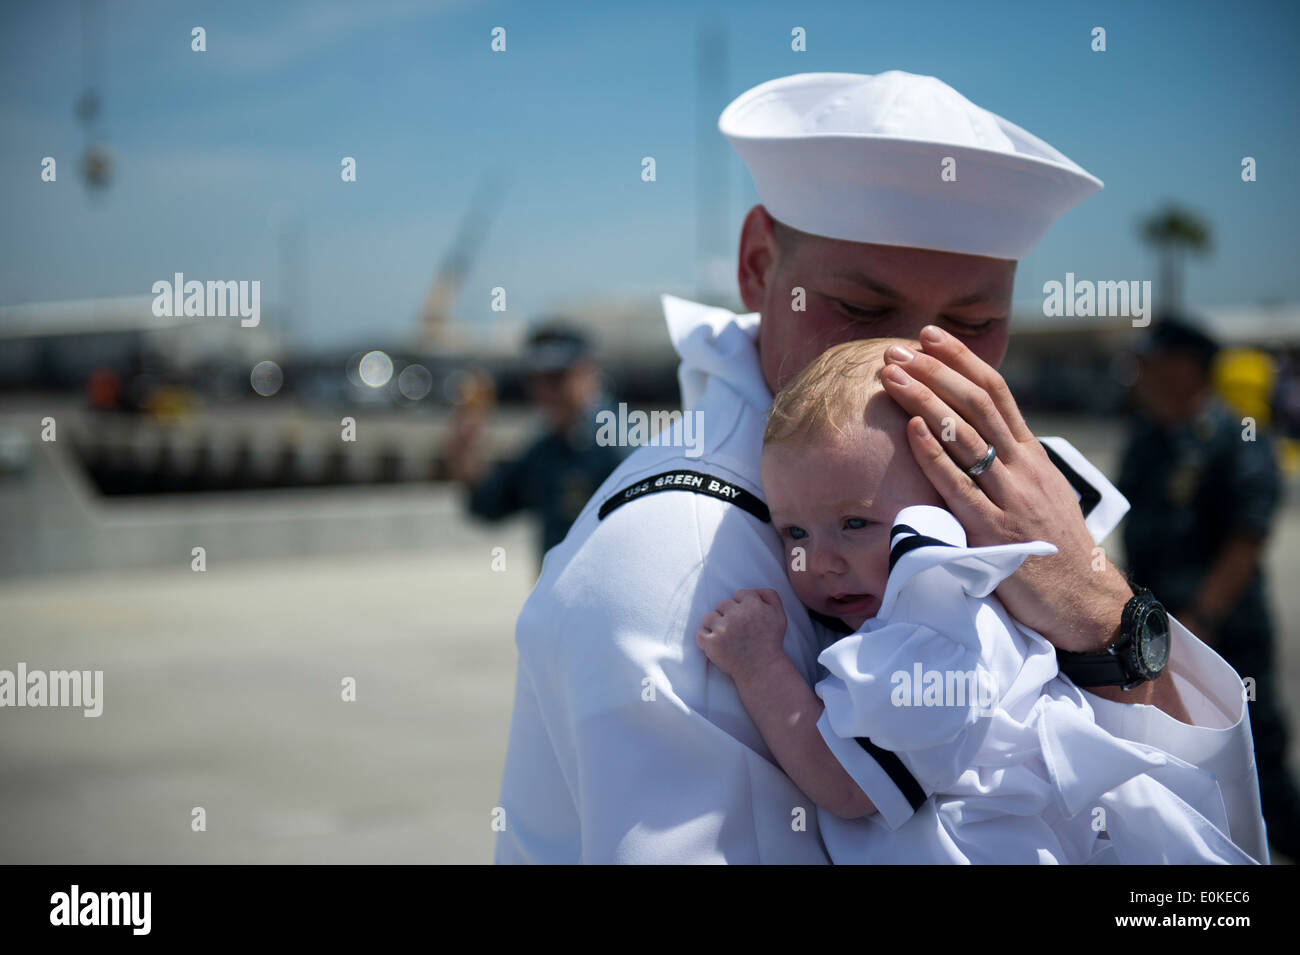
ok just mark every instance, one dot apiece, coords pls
pixel 1175 334
pixel 555 347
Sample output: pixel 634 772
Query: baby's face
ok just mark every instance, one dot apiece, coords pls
pixel 836 498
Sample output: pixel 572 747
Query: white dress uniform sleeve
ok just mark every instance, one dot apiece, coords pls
pixel 1219 739
pixel 1158 809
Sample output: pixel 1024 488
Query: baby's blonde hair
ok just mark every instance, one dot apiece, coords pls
pixel 833 389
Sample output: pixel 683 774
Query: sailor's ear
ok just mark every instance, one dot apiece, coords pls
pixel 760 253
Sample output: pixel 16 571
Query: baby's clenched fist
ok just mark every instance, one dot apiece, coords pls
pixel 744 634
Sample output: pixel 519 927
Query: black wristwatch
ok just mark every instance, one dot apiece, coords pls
pixel 1140 653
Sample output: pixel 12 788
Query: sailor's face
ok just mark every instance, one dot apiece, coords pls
pixel 854 290
pixel 833 502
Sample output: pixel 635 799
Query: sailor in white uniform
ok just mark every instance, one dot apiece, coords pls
pixel 625 745
pixel 1015 766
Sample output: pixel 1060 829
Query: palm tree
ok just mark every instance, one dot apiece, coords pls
pixel 1173 232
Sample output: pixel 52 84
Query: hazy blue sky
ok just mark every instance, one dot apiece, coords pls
pixel 213 149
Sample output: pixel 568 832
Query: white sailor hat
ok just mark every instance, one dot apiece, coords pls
pixel 861 158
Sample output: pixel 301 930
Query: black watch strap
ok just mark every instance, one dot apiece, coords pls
pixel 1108 667
pixel 1093 669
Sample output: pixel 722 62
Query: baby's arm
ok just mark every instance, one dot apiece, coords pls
pixel 743 638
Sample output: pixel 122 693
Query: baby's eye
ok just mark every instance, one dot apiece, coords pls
pixel 855 523
pixel 796 533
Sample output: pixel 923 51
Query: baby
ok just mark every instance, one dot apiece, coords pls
pixel 941 717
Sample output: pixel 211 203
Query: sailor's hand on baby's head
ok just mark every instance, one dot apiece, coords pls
pixel 744 633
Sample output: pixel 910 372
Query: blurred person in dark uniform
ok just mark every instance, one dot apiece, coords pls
pixel 1204 489
pixel 1286 408
pixel 557 474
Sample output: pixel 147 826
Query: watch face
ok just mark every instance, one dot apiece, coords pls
pixel 1153 641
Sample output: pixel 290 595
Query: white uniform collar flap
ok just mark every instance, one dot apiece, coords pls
pixel 924 536
pixel 715 343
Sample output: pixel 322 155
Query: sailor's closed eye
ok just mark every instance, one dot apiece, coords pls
pixel 854 311
pixel 969 327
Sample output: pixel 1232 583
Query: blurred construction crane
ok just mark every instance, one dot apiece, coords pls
pixel 435 311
